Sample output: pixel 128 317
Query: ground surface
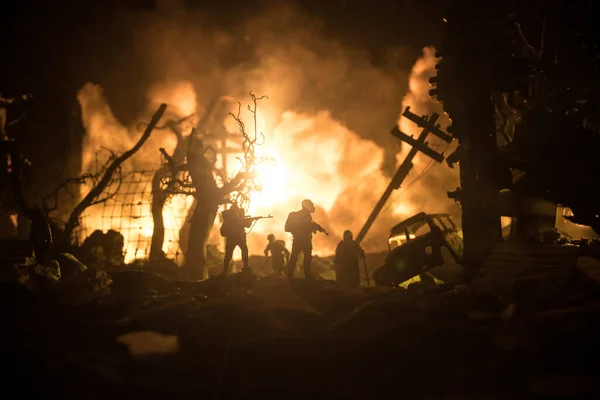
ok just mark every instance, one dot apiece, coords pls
pixel 245 338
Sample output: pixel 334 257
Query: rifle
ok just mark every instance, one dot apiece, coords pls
pixel 319 228
pixel 248 218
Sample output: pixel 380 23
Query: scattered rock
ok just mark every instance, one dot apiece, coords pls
pixel 147 343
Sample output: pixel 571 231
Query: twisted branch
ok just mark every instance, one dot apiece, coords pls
pixel 248 159
pixel 92 197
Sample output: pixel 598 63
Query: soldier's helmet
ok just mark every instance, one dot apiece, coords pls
pixel 347 235
pixel 271 237
pixel 308 206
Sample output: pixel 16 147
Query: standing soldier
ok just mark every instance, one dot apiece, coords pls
pixel 301 225
pixel 346 261
pixel 279 254
pixel 234 231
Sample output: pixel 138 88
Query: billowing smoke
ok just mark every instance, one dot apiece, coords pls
pixel 326 121
pixel 426 187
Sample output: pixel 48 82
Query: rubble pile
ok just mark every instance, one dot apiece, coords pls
pixel 104 250
pixel 63 279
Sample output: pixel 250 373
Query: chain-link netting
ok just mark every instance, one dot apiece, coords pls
pixel 129 212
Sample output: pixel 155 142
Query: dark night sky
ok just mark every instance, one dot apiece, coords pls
pixel 59 44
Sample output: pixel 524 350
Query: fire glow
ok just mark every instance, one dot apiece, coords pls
pixel 314 156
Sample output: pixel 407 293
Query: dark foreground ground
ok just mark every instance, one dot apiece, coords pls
pixel 265 338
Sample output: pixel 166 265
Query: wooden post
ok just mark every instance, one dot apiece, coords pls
pixel 418 145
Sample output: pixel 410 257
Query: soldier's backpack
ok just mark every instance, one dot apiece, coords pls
pixel 224 230
pixel 292 222
pixel 226 226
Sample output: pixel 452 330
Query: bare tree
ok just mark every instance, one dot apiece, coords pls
pixel 166 183
pixel 210 195
pixel 248 160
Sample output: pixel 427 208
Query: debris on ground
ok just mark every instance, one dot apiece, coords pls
pixel 247 336
pixel 63 278
pixel 103 250
pixel 147 343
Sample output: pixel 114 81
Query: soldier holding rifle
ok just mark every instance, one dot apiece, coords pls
pixel 234 231
pixel 301 225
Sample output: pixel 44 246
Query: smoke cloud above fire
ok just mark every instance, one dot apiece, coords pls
pixel 326 121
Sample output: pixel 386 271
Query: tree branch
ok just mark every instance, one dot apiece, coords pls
pixel 170 124
pixel 116 163
pixel 248 159
pixel 234 183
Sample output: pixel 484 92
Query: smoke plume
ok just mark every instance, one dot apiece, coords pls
pixel 327 119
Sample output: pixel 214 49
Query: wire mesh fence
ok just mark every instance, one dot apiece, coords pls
pixel 129 212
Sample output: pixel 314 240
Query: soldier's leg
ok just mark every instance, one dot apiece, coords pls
pixel 278 266
pixel 229 247
pixel 340 275
pixel 293 259
pixel 244 248
pixel 307 250
pixel 355 277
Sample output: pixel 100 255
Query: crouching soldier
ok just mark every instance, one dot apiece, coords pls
pixel 279 254
pixel 346 261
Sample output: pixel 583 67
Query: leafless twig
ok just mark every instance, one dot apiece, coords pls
pixel 248 159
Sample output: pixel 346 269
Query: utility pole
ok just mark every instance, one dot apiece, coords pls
pixel 222 141
pixel 418 145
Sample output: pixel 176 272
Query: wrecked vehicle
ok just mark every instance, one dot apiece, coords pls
pixel 416 246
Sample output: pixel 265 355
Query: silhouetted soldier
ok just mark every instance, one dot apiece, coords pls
pixel 279 254
pixel 346 261
pixel 234 230
pixel 301 226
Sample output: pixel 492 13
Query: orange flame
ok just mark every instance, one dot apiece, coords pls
pixel 315 156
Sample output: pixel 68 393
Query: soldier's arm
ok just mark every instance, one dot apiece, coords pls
pixel 360 250
pixel 267 250
pixel 243 221
pixel 317 228
pixel 362 254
